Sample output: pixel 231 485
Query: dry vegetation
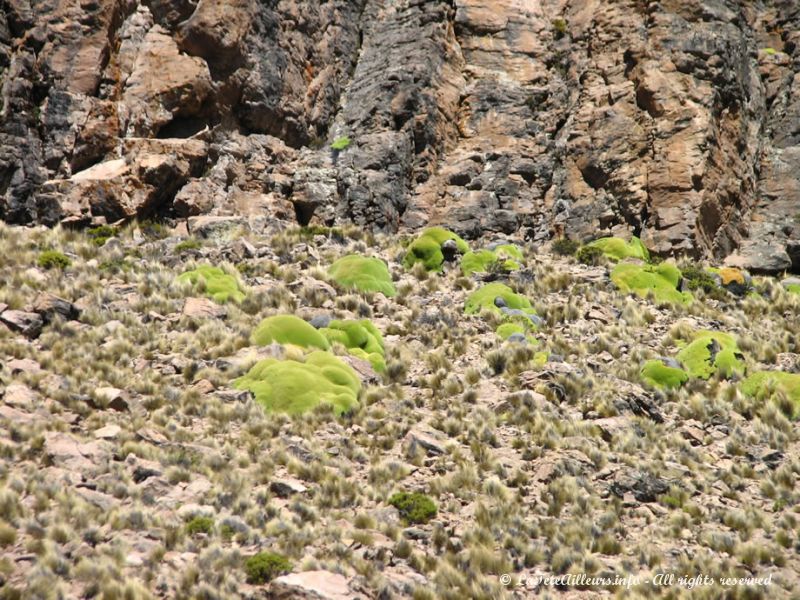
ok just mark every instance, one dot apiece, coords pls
pixel 131 468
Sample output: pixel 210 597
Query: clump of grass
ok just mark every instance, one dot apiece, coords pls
pixel 414 507
pixel 265 566
pixel 200 525
pixel 53 259
pixel 559 28
pixel 565 247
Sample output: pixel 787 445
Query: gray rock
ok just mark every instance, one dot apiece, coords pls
pixel 518 338
pixel 27 323
pixel 320 321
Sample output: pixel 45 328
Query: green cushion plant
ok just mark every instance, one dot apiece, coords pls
pixel 53 259
pixel 618 249
pixel 363 273
pixel 361 338
pixel 427 248
pixel 763 383
pixel 658 374
pixel 413 507
pixel 711 352
pixel 660 280
pixel 486 298
pixel 263 567
pixel 507 256
pixel 288 329
pixel 294 386
pixel 215 283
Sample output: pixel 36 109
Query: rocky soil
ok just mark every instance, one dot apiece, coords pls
pixel 119 427
pixel 674 120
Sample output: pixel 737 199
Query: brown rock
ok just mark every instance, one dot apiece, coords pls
pixel 28 324
pixel 203 308
pixel 49 305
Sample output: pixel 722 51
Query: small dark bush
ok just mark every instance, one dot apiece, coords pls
pixel 589 255
pixel 190 244
pixel 565 246
pixel 53 259
pixel 265 566
pixel 559 28
pixel 100 235
pixel 414 507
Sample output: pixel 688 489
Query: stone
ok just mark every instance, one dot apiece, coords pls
pixel 20 396
pixel 69 452
pixel 49 305
pixel 112 398
pixel 284 488
pixel 27 323
pixel 311 585
pixel 25 366
pixel 108 432
pixel 203 308
pixel 427 440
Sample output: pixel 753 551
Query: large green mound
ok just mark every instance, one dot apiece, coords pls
pixel 658 374
pixel 365 274
pixel 761 382
pixel 215 283
pixel 295 387
pixel 711 352
pixel 660 280
pixel 288 329
pixel 618 249
pixel 361 338
pixel 427 248
pixel 507 256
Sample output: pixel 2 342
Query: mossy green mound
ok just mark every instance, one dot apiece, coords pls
pixel 618 249
pixel 361 338
pixel 263 567
pixel 502 300
pixel 762 382
pixel 657 374
pixel 791 285
pixel 660 280
pixel 507 256
pixel 215 283
pixel 363 273
pixel 288 329
pixel 427 248
pixel 711 352
pixel 294 387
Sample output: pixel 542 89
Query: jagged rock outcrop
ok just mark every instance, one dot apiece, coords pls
pixel 674 120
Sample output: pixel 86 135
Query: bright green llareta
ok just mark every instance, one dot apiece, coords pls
pixel 288 329
pixel 294 387
pixel 657 374
pixel 508 255
pixel 660 280
pixel 698 361
pixel 759 383
pixel 365 274
pixel 618 249
pixel 427 248
pixel 217 284
pixel 361 338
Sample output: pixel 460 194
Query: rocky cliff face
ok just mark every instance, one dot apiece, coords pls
pixel 676 120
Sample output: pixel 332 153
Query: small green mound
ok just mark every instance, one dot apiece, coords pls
pixel 564 246
pixel 761 383
pixel 288 329
pixel 294 387
pixel 506 257
pixel 711 352
pixel 589 255
pixel 200 525
pixel 661 280
pixel 502 300
pixel 413 506
pixel 506 330
pixel 657 374
pixel 263 567
pixel 618 249
pixel 188 244
pixel 216 283
pixel 100 235
pixel 53 259
pixel 361 338
pixel 365 274
pixel 427 248
pixel 340 143
pixel 791 285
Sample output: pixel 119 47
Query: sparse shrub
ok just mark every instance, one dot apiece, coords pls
pixel 53 259
pixel 100 235
pixel 414 507
pixel 189 244
pixel 199 525
pixel 559 28
pixel 564 246
pixel 8 535
pixel 589 255
pixel 263 567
